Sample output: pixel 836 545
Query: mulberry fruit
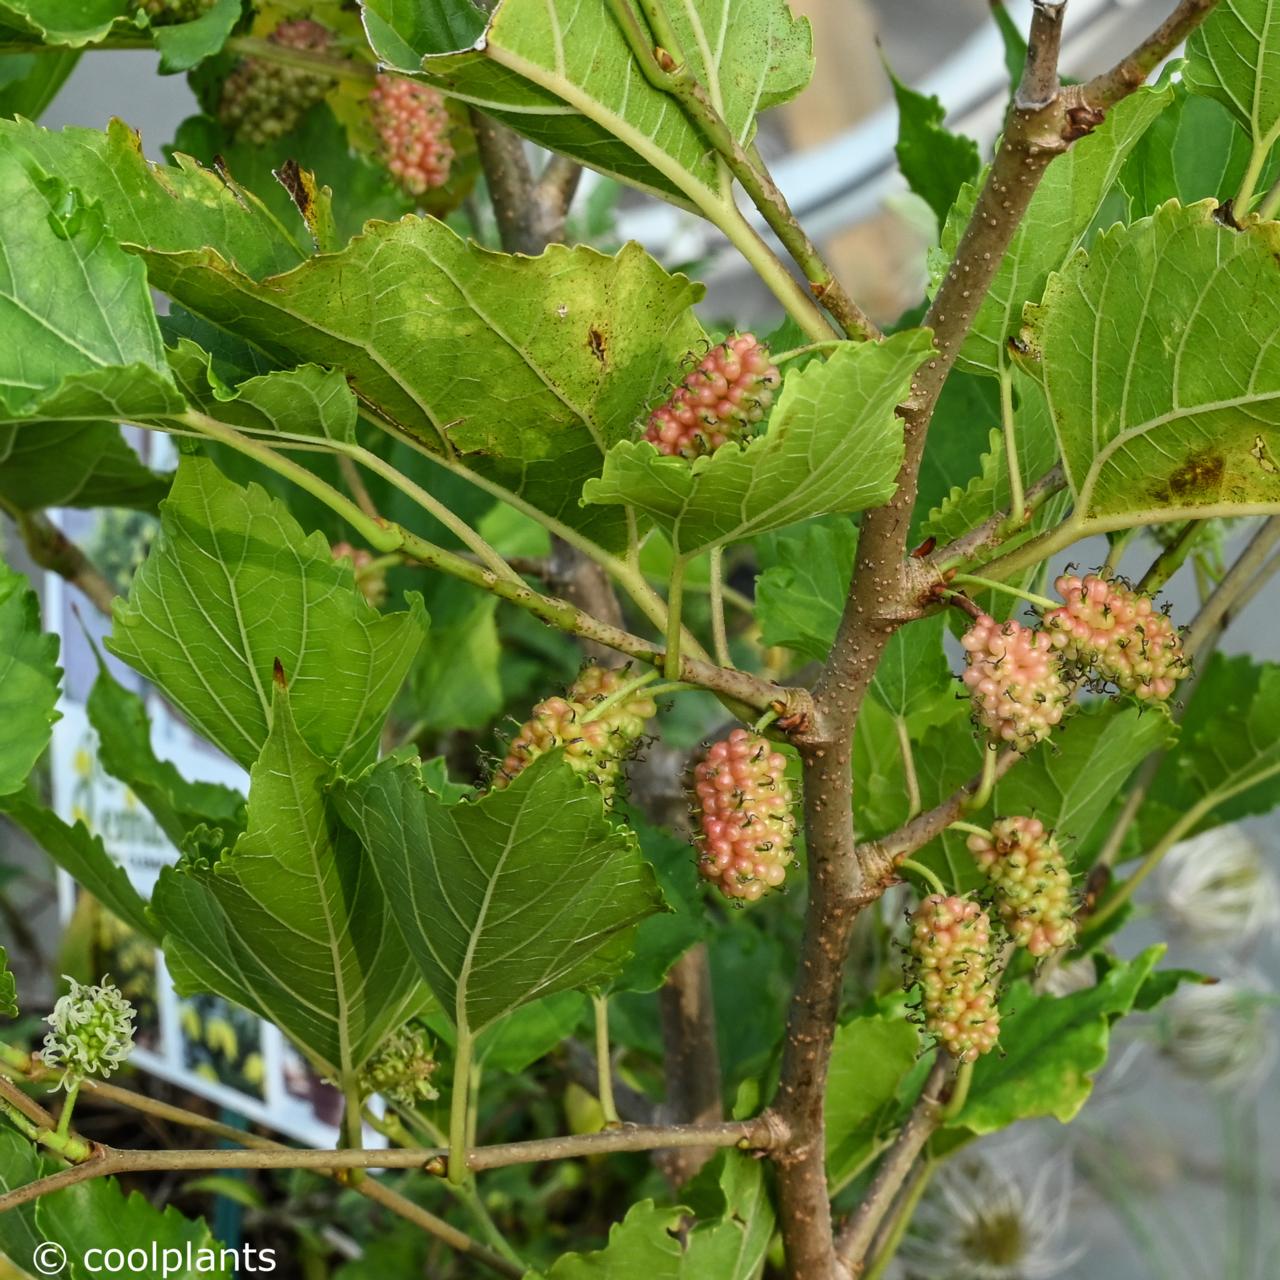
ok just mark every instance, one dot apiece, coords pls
pixel 262 100
pixel 167 13
pixel 1107 626
pixel 719 401
pixel 745 833
pixel 371 582
pixel 412 125
pixel 92 1032
pixel 1031 881
pixel 595 737
pixel 951 943
pixel 402 1068
pixel 1016 680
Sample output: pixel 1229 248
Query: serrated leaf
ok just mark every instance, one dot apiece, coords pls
pixel 1230 749
pixel 729 1242
pixel 1051 1047
pixel 184 45
pixel 30 81
pixel 74 464
pixel 8 989
pixel 29 680
pixel 119 718
pixel 69 22
pixel 232 585
pixel 870 1058
pixel 935 162
pixel 914 681
pixel 167 208
pixel 800 597
pixel 524 892
pixel 570 346
pixel 833 445
pixel 306 401
pixel 80 338
pixel 1163 402
pixel 563 75
pixel 84 858
pixel 1193 150
pixel 1062 213
pixel 1234 56
pixel 99 1215
pixel 291 922
pixel 1071 786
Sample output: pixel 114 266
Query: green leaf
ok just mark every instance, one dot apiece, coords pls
pixel 80 338
pixel 870 1058
pixel 291 922
pixel 1051 1047
pixel 729 1242
pixel 306 401
pixel 69 22
pixel 833 445
pixel 524 892
pixel 185 44
pixel 8 989
pixel 119 718
pixel 914 681
pixel 74 464
pixel 99 1215
pixel 29 680
pixel 1229 756
pixel 564 351
pixel 1194 150
pixel 522 1037
pixel 84 858
pixel 166 208
pixel 1159 413
pixel 1071 787
pixel 935 162
pixel 565 77
pixel 232 585
pixel 1234 57
pixel 800 597
pixel 30 81
pixel 1062 213
pixel 455 683
pixel 20 1163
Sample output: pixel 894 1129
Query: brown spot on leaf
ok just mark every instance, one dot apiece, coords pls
pixel 1225 214
pixel 291 177
pixel 596 341
pixel 1201 474
pixel 277 672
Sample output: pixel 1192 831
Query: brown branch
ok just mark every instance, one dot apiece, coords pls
pixel 859 1231
pixel 760 1134
pixel 1130 72
pixel 51 549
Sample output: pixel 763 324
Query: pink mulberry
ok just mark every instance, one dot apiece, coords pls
pixel 595 742
pixel 372 583
pixel 1117 631
pixel 412 125
pixel 745 828
pixel 1031 881
pixel 951 943
pixel 262 100
pixel 1015 678
pixel 720 400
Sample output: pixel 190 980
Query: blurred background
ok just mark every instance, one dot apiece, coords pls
pixel 1175 1165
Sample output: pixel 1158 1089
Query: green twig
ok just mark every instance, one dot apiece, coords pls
pixel 459 1107
pixel 971 828
pixel 719 634
pixel 68 1106
pixel 604 1068
pixel 990 584
pixel 929 877
pixel 1017 498
pixel 911 777
pixel 982 796
pixel 624 691
pixel 675 607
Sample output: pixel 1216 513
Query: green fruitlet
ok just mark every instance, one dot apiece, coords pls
pixel 596 737
pixel 402 1068
pixel 719 401
pixel 167 13
pixel 1031 881
pixel 951 945
pixel 744 827
pixel 264 100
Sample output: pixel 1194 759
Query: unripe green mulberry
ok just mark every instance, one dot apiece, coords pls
pixel 263 101
pixel 167 13
pixel 1118 632
pixel 745 829
pixel 951 943
pixel 402 1068
pixel 719 401
pixel 1031 881
pixel 596 737
pixel 92 1032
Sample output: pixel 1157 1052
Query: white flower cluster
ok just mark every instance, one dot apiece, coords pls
pixel 92 1032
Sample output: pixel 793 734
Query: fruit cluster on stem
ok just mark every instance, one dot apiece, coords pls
pixel 263 101
pixel 412 124
pixel 1016 680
